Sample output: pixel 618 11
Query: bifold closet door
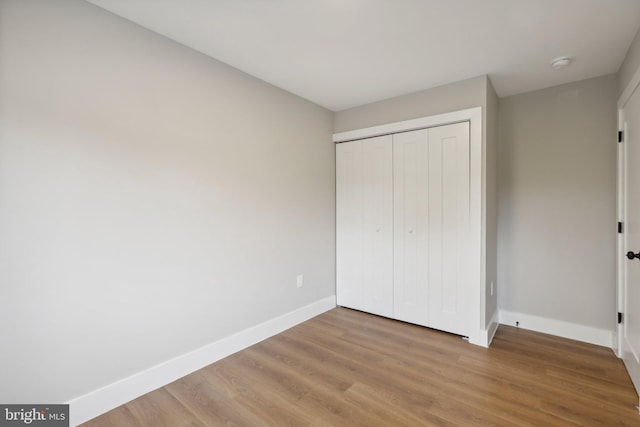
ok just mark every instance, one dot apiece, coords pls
pixel 364 225
pixel 431 227
pixel 411 226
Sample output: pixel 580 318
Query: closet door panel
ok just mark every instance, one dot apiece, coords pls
pixel 364 225
pixel 377 218
pixel 449 228
pixel 349 225
pixel 410 158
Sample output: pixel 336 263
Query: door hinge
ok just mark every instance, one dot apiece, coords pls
pixel 620 228
pixel 620 136
pixel 619 318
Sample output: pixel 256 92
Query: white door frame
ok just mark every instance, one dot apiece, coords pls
pixel 621 208
pixel 620 242
pixel 627 353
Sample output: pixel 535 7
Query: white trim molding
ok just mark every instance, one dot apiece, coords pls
pixel 409 125
pixel 559 328
pixel 99 401
pixel 486 336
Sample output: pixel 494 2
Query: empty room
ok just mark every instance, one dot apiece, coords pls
pixel 319 213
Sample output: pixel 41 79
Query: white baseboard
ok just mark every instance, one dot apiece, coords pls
pixel 486 335
pixel 99 401
pixel 559 328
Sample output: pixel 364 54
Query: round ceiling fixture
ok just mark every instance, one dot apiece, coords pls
pixel 561 62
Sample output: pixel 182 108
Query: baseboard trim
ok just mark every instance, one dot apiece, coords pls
pixel 486 335
pixel 559 328
pixel 99 401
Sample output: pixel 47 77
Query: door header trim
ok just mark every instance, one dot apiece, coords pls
pixel 470 114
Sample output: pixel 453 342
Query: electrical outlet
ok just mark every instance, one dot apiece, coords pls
pixel 300 280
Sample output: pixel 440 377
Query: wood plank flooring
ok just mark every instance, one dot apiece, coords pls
pixel 347 368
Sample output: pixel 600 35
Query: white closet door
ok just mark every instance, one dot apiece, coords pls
pixel 411 251
pixel 364 186
pixel 431 227
pixel 377 165
pixel 349 208
pixel 448 228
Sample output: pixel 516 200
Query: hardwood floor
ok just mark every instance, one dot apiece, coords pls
pixel 347 368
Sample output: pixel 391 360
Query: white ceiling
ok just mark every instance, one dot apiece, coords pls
pixel 344 53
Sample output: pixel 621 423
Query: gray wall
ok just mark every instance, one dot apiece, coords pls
pixel 557 198
pixel 491 202
pixel 442 99
pixel 630 64
pixel 153 200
